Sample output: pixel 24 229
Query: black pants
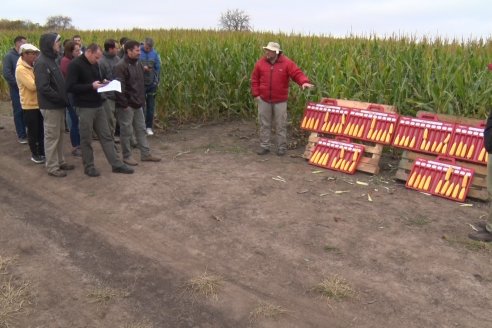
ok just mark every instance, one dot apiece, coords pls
pixel 35 131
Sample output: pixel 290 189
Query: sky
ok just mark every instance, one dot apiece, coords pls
pixel 451 19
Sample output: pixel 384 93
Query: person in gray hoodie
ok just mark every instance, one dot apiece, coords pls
pixel 53 100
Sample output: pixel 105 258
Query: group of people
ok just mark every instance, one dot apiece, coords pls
pixel 44 85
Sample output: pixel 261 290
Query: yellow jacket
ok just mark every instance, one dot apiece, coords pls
pixel 24 75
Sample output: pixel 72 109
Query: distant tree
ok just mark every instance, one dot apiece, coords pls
pixel 235 20
pixel 6 24
pixel 58 22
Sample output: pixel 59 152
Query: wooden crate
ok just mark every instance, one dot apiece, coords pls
pixel 372 154
pixel 478 188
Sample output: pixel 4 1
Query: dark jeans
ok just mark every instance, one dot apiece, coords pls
pixel 35 131
pixel 150 93
pixel 20 127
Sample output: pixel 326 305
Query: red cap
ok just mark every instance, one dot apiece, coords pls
pixel 490 66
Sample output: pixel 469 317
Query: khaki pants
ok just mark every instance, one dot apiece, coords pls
pixel 54 128
pixel 489 189
pixel 272 115
pixel 109 110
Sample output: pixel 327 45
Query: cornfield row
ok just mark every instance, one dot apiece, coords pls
pixel 206 74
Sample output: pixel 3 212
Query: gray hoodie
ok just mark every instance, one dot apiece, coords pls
pixel 50 83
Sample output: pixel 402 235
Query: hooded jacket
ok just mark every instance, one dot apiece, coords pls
pixel 50 83
pixel 24 74
pixel 130 73
pixel 106 66
pixel 271 81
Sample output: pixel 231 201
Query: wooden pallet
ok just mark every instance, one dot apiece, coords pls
pixel 478 188
pixel 372 153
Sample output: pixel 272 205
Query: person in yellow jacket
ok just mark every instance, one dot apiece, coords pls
pixel 24 75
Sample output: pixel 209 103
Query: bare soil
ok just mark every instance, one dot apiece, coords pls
pixel 120 250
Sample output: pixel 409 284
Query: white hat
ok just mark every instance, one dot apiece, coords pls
pixel 28 47
pixel 273 46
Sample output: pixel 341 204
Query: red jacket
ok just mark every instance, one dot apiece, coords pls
pixel 271 81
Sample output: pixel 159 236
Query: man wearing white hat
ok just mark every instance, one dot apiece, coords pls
pixel 24 75
pixel 270 87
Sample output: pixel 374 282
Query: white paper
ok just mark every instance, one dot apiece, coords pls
pixel 114 85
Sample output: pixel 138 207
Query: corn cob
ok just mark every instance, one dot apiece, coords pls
pixel 438 187
pixel 444 188
pixel 453 148
pixel 458 150
pixel 361 131
pixel 482 154
pixel 446 140
pixel 313 156
pixel 397 140
pixel 434 145
pixel 378 135
pixel 355 155
pixel 448 173
pixel 334 162
pixel 470 151
pixel 464 182
pixel 462 193
pixel 304 121
pixel 422 182
pixel 427 183
pixel 412 178
pixel 450 189
pixel 412 143
pixel 455 190
pixel 463 150
pixel 356 131
pixel 346 166
pixel 426 133
pixel 352 167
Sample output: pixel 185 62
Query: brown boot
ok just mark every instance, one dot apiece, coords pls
pixel 150 158
pixel 130 161
pixel 484 236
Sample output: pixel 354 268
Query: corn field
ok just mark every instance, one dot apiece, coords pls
pixel 206 74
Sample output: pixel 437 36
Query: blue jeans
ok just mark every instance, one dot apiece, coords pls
pixel 20 127
pixel 74 124
pixel 150 93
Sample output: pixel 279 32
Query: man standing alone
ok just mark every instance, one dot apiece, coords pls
pixel 9 66
pixel 270 87
pixel 52 99
pixel 129 104
pixel 83 80
pixel 152 69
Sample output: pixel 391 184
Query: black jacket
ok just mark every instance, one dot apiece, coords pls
pixel 487 134
pixel 130 73
pixel 81 74
pixel 50 83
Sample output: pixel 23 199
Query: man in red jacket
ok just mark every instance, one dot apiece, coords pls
pixel 270 88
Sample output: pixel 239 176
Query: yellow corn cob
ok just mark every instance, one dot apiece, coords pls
pixel 446 140
pixel 391 128
pixel 427 146
pixel 355 155
pixel 373 123
pixel 334 162
pixel 470 151
pixel 464 182
pixel 402 140
pixel 325 161
pixel 316 124
pixel 347 165
pixel 369 134
pixel 383 136
pixel 356 131
pixel 343 118
pixel 378 135
pixel 323 127
pixel 450 189
pixel 463 150
pixel 482 154
pixel 458 150
pixel 412 143
pixel 347 128
pixel 321 158
pixel 340 128
pixel 434 145
pixel 453 148
pixel 352 167
pixel 313 156
pixel 407 141
pixel 448 173
pixel 444 148
pixel 361 131
pixel 438 187
pixel 337 166
pixel 328 125
pixel 417 181
pixel 462 193
pixel 439 147
pixel 427 183
pixel 326 116
pixel 426 133
pixel 422 182
pixel 444 188
pixel 412 178
pixel 388 138
pixel 455 191
pixel 342 153
pixel 397 140
pixel 422 145
pixel 351 130
pixel 318 156
pixel 304 121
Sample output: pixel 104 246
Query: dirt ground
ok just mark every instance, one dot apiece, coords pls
pixel 122 250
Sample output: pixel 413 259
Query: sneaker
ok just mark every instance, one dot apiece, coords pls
pixel 77 152
pixel 281 152
pixel 150 158
pixel 67 167
pixel 92 172
pixel 58 174
pixel 484 236
pixel 130 161
pixel 22 140
pixel 37 159
pixel 149 132
pixel 123 169
pixel 263 151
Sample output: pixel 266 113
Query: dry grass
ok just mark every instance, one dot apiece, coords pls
pixel 205 284
pixel 266 310
pixel 104 295
pixel 15 294
pixel 472 245
pixel 334 288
